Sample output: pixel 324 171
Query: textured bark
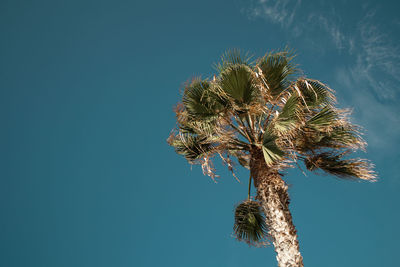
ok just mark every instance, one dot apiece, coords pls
pixel 274 198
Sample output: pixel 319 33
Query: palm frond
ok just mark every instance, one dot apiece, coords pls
pixel 271 151
pixel 277 70
pixel 286 120
pixel 202 128
pixel 314 93
pixel 340 137
pixel 237 82
pixel 200 101
pixel 250 224
pixel 343 168
pixel 324 118
pixel 190 146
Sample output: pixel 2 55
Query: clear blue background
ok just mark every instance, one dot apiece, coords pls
pixel 86 96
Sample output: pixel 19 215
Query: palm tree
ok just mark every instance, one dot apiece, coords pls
pixel 268 117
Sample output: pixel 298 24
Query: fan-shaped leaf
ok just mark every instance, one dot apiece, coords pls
pixel 315 93
pixel 200 101
pixel 325 118
pixel 191 146
pixel 277 70
pixel 340 137
pixel 250 224
pixel 344 168
pixel 270 150
pixel 287 118
pixel 237 82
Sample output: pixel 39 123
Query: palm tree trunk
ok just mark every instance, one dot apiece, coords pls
pixel 274 198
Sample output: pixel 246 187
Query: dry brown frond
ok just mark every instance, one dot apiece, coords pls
pixel 208 168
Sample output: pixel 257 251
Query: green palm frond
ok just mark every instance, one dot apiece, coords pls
pixel 314 92
pixel 200 101
pixel 343 168
pixel 326 117
pixel 233 57
pixel 237 82
pixel 271 151
pixel 277 70
pixel 287 118
pixel 250 224
pixel 340 137
pixel 190 146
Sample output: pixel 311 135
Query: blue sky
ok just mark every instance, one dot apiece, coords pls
pixel 87 90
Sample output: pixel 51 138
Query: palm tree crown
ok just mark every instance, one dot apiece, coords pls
pixel 264 104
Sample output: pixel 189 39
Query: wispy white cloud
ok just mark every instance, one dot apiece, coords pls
pixel 278 11
pixel 378 60
pixel 373 83
pixel 332 29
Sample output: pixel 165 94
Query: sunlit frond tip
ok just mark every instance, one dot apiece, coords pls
pixel 233 57
pixel 342 168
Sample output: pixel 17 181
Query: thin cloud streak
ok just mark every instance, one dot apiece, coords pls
pixel 278 11
pixel 339 39
pixel 378 61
